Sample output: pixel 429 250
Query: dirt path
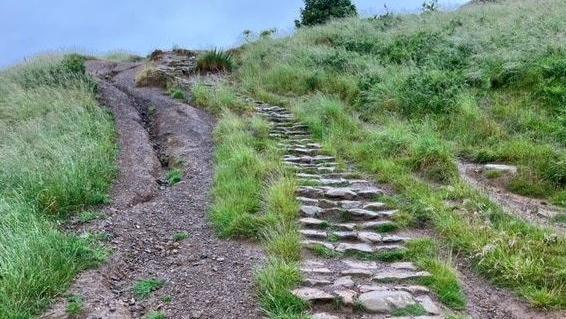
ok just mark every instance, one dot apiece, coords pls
pixel 531 210
pixel 205 277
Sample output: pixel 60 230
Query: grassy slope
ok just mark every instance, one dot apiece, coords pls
pixel 405 96
pixel 57 152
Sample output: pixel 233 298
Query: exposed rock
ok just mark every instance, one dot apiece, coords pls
pixel 369 237
pixel 316 281
pixel 312 294
pixel 345 234
pixel 382 301
pixel 311 211
pixel 314 270
pixel 404 265
pixel 309 221
pixel 345 282
pixel 428 305
pixel 372 265
pixel 315 243
pixel 400 275
pixel 501 168
pixel 346 248
pixel 343 193
pixel 357 272
pixel 350 204
pixel 347 296
pixel 313 233
pixel 375 206
pixel 324 315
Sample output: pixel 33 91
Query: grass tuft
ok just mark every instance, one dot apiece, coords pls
pixel 215 60
pixel 144 288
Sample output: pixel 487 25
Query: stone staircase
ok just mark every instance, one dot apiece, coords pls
pixel 341 219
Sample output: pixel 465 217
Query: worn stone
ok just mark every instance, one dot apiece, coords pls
pixel 308 201
pixel 311 211
pixel 345 234
pixel 501 168
pixel 316 281
pixel 369 237
pixel 384 301
pixel 345 281
pixel 399 275
pixel 324 315
pixel 394 239
pixel 357 272
pixel 372 265
pixel 375 206
pixel 363 213
pixel 313 233
pixel 309 221
pixel 315 243
pixel 414 289
pixel 428 305
pixel 346 226
pixel 374 224
pixel 316 270
pixel 350 204
pixel 312 294
pixel 363 248
pixel 346 296
pixel 404 265
pixel 343 193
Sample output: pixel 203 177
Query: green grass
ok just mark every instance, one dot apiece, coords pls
pixel 88 216
pixel 156 315
pixel 57 157
pixel 144 288
pixel 75 306
pixel 412 310
pixel 178 94
pixel 219 98
pixel 180 236
pixel 215 61
pixel 405 97
pixel 174 176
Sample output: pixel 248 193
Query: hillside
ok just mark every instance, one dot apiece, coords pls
pixel 408 97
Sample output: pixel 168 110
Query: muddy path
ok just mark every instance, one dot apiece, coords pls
pixel 204 277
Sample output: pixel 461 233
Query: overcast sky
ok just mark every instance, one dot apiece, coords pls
pixel 29 27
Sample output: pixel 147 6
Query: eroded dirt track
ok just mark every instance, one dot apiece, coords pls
pixel 205 277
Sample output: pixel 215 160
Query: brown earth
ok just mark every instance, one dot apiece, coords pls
pixel 205 277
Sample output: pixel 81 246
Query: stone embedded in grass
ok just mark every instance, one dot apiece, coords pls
pixel 372 265
pixel 314 244
pixel 404 265
pixel 357 272
pixel 363 213
pixel 324 315
pixel 369 237
pixel 316 281
pixel 375 206
pixel 428 305
pixel 313 233
pixel 394 239
pixel 342 193
pixel 312 294
pixel 383 301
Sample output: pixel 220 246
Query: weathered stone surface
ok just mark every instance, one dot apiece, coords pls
pixel 347 248
pixel 326 203
pixel 369 237
pixel 399 275
pixel 316 281
pixel 310 191
pixel 357 272
pixel 388 247
pixel 305 175
pixel 345 234
pixel 316 270
pixel 346 226
pixel 342 193
pixel 346 296
pixel 404 265
pixel 414 289
pixel 313 233
pixel 309 221
pixel 371 265
pixel 312 294
pixel 428 305
pixel 345 282
pixel 367 288
pixel 350 204
pixel 375 206
pixel 363 213
pixel 308 201
pixel 311 211
pixel 369 192
pixel 382 301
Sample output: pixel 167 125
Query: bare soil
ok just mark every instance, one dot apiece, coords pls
pixel 205 277
pixel 533 210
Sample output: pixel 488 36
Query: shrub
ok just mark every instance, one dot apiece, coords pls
pixel 215 61
pixel 150 76
pixel 320 11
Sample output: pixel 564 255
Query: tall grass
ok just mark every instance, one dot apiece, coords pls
pixel 406 96
pixel 57 154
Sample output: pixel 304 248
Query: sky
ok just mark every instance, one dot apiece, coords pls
pixel 30 27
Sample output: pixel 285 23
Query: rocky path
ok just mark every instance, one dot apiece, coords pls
pixel 340 217
pixel 200 276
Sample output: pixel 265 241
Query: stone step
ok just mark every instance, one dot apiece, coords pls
pixel 348 235
pixel 342 247
pixel 310 222
pixel 340 193
pixel 344 204
pixel 309 159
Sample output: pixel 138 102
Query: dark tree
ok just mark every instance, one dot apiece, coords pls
pixel 320 11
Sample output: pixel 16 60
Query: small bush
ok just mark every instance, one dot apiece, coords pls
pixel 174 176
pixel 150 76
pixel 178 94
pixel 215 61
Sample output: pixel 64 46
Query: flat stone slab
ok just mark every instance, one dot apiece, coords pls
pixel 400 275
pixel 311 211
pixel 315 243
pixel 371 265
pixel 345 282
pixel 312 294
pixel 383 301
pixel 369 237
pixel 362 248
pixel 342 193
pixel 316 282
pixel 309 221
pixel 346 296
pixel 375 206
pixel 375 224
pixel 313 233
pixel 428 305
pixel 317 270
pixel 324 315
pixel 357 272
